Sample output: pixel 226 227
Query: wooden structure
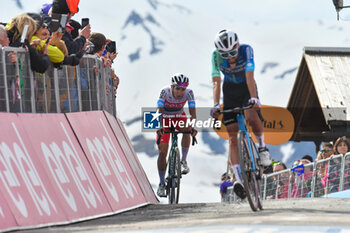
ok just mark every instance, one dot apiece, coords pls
pixel 320 97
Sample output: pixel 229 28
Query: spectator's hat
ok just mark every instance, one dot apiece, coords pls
pixel 46 8
pixel 60 7
pixel 76 25
pixel 223 176
pixel 308 157
pixel 69 26
pixel 65 6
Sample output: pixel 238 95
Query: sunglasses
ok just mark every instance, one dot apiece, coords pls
pixel 180 88
pixel 325 150
pixel 232 53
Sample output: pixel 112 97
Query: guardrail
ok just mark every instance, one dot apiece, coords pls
pixel 318 179
pixel 85 87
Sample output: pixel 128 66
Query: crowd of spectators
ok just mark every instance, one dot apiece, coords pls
pixel 296 181
pixel 50 43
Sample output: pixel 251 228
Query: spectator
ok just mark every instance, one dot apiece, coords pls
pixel 75 31
pixel 322 168
pixel 283 181
pixel 57 49
pixel 279 166
pixel 76 46
pixel 73 46
pixel 341 146
pixel 225 183
pixel 308 157
pixel 41 35
pixel 4 40
pixel 326 151
pixel 302 183
pixel 38 62
pixel 332 178
pixel 278 183
pixel 296 163
pixel 115 79
pixel 97 42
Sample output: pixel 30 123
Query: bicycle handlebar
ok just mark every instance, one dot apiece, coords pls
pixel 173 131
pixel 239 110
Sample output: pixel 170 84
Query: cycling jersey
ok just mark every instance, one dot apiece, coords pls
pixel 174 106
pixel 245 62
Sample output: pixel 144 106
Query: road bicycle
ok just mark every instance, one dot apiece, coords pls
pixel 174 166
pixel 251 168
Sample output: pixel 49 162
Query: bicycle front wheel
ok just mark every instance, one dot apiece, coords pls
pixel 174 177
pixel 250 182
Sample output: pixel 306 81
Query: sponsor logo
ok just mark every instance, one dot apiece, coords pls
pixel 151 119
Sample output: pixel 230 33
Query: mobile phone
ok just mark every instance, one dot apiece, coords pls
pixel 63 23
pixel 111 47
pixel 24 34
pixel 84 22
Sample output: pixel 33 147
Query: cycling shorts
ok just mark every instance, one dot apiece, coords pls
pixel 235 95
pixel 173 121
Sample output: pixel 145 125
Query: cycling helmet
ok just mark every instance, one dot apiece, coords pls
pixel 226 41
pixel 179 79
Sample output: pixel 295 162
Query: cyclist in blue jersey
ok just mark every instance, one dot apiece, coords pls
pixel 236 62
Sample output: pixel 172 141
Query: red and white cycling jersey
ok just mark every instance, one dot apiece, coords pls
pixel 172 106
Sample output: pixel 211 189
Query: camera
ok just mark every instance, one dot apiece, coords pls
pixel 58 22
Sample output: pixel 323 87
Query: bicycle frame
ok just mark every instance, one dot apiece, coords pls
pixel 173 165
pixel 243 127
pixel 173 143
pixel 250 170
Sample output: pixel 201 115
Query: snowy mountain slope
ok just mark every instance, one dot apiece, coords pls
pixel 158 38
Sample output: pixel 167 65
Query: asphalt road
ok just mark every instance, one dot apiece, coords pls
pixel 294 212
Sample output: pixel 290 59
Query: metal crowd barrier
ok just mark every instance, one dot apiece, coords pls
pixel 85 87
pixel 318 179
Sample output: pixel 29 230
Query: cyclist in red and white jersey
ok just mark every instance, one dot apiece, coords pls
pixel 170 103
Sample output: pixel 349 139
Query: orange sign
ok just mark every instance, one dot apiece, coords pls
pixel 278 125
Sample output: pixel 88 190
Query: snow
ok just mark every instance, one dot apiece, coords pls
pixel 165 37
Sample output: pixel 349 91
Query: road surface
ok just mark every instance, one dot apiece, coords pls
pixel 319 214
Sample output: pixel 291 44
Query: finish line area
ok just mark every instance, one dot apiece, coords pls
pixel 288 215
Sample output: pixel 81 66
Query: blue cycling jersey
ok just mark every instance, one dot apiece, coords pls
pixel 245 62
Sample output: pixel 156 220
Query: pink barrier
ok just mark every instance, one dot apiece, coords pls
pixel 65 164
pixel 56 168
pixel 107 159
pixel 123 139
pixel 24 183
pixel 6 218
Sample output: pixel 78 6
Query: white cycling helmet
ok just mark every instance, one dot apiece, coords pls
pixel 225 41
pixel 179 79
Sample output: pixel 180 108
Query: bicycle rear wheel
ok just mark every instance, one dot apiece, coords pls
pixel 174 176
pixel 250 182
